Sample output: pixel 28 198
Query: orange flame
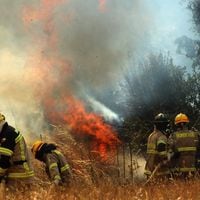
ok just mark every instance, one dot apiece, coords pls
pixel 51 74
pixel 84 123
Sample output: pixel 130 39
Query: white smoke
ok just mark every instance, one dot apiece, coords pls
pixel 103 111
pixel 17 101
pixel 98 44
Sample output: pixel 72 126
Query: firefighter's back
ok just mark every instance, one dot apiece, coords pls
pixel 186 143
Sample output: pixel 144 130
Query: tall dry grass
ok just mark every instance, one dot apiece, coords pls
pixel 178 190
pixel 95 180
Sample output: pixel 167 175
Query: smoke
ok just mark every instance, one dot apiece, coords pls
pixel 103 111
pixel 17 101
pixel 98 43
pixel 92 38
pixel 12 31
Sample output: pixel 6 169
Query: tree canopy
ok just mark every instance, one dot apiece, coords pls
pixel 157 85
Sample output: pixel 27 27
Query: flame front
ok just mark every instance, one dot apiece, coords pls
pixel 86 123
pixel 50 73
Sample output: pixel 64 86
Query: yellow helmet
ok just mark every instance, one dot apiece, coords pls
pixel 181 118
pixel 2 117
pixel 36 146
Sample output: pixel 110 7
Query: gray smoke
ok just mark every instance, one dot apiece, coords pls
pixel 17 100
pixel 103 111
pixel 97 44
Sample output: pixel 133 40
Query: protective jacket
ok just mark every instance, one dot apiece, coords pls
pixel 156 154
pixel 57 167
pixel 198 152
pixel 14 157
pixel 184 144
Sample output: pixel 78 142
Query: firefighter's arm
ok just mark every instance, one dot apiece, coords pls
pixel 65 163
pixel 171 147
pixel 162 151
pixel 53 169
pixel 6 152
pixel 162 148
pixel 173 151
pixel 4 165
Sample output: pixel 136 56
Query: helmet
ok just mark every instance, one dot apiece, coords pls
pixel 161 118
pixel 2 117
pixel 161 122
pixel 181 118
pixel 36 146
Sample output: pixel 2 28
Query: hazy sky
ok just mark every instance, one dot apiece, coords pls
pixel 172 20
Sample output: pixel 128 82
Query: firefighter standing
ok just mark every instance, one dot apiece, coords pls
pixel 183 144
pixel 156 163
pixel 14 158
pixel 57 168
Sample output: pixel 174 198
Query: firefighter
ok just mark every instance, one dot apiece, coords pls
pixel 14 158
pixel 198 151
pixel 184 144
pixel 157 159
pixel 56 166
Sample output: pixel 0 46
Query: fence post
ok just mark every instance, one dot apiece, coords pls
pixel 131 159
pixel 124 161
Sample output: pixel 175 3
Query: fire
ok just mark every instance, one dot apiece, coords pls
pixel 82 123
pixel 51 74
pixel 86 123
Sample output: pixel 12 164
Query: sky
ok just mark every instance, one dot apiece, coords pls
pixel 171 20
pixel 97 42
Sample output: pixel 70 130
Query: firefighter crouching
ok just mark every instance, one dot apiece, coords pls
pixel 183 143
pixel 157 159
pixel 57 168
pixel 14 158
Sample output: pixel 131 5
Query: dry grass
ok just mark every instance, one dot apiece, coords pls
pixel 172 191
pixel 93 180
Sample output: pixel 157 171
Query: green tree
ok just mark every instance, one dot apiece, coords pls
pixel 194 6
pixel 192 47
pixel 194 94
pixel 155 85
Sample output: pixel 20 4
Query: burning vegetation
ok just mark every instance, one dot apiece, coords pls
pixel 73 52
pixel 60 105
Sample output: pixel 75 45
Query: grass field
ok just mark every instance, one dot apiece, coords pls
pixel 93 180
pixel 177 190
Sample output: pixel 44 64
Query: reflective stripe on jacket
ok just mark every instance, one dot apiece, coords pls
pixel 21 165
pixel 57 166
pixel 184 144
pixel 14 159
pixel 154 156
